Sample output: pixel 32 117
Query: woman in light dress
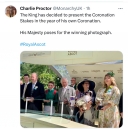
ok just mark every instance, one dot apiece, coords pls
pixel 109 116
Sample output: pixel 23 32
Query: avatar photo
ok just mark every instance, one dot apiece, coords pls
pixel 10 11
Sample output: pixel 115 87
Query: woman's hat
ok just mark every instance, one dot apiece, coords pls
pixel 91 85
pixel 110 74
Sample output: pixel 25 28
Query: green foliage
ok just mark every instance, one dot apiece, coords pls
pixel 45 74
pixel 111 74
pixel 57 82
pixel 46 77
pixel 30 68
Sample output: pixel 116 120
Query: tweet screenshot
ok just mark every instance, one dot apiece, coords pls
pixel 68 57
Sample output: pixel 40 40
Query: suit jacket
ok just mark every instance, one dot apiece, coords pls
pixel 22 103
pixel 38 93
pixel 21 90
pixel 121 104
pixel 75 87
pixel 70 91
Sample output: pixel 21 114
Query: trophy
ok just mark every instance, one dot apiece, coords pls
pixel 83 101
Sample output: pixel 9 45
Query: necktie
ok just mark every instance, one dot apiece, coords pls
pixel 25 86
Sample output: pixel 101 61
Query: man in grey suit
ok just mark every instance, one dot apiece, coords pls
pixel 64 94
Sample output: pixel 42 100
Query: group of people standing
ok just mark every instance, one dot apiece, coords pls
pixel 110 113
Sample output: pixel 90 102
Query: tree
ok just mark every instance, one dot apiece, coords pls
pixel 45 74
pixel 46 77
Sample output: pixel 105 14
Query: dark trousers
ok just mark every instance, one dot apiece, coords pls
pixel 121 122
pixel 22 104
pixel 76 109
pixel 31 106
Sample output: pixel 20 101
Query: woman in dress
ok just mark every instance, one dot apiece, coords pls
pixel 110 95
pixel 84 88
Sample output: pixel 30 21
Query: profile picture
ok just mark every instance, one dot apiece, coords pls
pixel 10 11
